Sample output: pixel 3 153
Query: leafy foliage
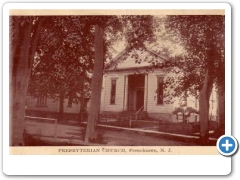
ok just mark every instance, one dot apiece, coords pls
pixel 66 51
pixel 199 41
pixel 63 59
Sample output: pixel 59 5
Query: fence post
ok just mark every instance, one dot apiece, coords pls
pixel 130 121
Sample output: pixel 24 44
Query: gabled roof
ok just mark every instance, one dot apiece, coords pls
pixel 135 59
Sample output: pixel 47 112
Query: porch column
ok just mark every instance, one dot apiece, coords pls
pixel 125 94
pixel 145 92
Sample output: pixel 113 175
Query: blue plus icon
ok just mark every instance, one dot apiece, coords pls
pixel 227 145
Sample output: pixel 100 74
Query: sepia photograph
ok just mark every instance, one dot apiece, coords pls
pixel 116 78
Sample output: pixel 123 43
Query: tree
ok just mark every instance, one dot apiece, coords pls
pixel 75 62
pixel 201 65
pixel 24 36
pixel 96 85
pixel 137 30
pixel 62 68
pixel 31 37
pixel 28 54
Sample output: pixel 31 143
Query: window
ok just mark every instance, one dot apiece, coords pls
pixel 113 92
pixel 159 90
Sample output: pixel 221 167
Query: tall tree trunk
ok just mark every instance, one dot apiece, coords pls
pixel 22 45
pixel 18 99
pixel 96 85
pixel 204 97
pixel 221 111
pixel 207 87
pixel 221 97
pixel 20 76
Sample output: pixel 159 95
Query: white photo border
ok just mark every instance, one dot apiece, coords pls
pixel 114 164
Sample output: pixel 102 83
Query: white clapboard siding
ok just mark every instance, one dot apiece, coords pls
pixel 118 106
pixel 152 106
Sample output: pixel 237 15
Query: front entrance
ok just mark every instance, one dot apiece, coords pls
pixel 140 98
pixel 135 91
